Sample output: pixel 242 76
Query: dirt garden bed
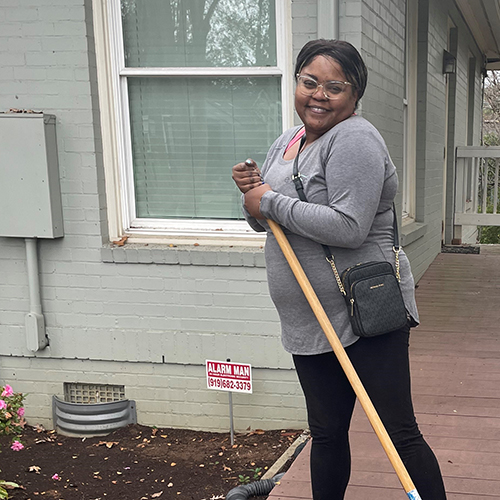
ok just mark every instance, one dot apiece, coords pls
pixel 138 463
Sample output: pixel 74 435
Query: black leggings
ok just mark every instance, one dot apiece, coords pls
pixel 383 366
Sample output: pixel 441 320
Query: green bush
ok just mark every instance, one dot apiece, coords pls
pixel 489 235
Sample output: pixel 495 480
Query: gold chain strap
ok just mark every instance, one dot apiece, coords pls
pixel 336 273
pixel 396 251
pixel 331 261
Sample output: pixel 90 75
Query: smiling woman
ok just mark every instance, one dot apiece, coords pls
pixel 349 182
pixel 319 109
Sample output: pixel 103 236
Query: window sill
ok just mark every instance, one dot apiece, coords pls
pixel 411 232
pixel 194 254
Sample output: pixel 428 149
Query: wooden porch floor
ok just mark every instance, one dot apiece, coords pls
pixel 455 359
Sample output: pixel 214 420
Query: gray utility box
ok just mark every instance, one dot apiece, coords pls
pixel 30 193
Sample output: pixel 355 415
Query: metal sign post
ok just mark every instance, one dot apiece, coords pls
pixel 231 422
pixel 231 377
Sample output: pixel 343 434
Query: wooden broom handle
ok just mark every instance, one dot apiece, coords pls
pixel 344 361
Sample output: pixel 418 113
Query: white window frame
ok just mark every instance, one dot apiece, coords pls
pixel 115 125
pixel 410 114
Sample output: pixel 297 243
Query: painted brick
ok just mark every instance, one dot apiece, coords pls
pixel 216 302
pixel 21 14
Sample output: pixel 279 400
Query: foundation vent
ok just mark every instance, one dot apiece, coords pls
pixel 87 393
pixel 92 410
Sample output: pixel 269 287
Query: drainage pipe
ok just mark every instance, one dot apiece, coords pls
pixel 36 338
pixel 328 19
pixel 254 489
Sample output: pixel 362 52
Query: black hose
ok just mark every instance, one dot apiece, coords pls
pixel 254 489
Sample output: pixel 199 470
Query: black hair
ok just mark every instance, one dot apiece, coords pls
pixel 344 54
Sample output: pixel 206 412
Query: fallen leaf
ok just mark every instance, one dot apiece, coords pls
pixel 9 485
pixel 173 464
pixel 169 485
pixel 121 241
pixel 108 444
pixel 35 468
pixel 156 495
pixel 43 440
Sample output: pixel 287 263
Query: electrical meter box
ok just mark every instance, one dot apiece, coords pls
pixel 30 193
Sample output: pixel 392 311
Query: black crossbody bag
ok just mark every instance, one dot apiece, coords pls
pixel 371 289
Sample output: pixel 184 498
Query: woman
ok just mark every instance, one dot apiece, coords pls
pixel 350 183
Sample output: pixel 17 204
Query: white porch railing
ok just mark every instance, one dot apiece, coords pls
pixel 476 187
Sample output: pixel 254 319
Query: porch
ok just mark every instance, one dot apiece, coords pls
pixel 455 356
pixel 477 185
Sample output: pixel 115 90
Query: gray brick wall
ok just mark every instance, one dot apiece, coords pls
pixel 170 394
pixel 383 48
pixel 148 317
pixel 377 27
pixel 171 310
pixel 304 23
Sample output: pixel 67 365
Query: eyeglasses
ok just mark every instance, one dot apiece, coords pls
pixel 331 90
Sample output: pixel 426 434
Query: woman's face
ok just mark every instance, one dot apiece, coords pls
pixel 319 114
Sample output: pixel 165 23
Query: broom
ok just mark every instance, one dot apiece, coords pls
pixel 345 362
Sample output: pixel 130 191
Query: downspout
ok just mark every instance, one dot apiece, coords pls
pixel 36 338
pixel 328 19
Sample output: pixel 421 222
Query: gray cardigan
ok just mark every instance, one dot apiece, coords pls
pixel 350 183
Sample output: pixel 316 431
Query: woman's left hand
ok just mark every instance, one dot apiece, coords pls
pixel 252 200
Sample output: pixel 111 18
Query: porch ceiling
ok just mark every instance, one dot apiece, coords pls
pixel 483 19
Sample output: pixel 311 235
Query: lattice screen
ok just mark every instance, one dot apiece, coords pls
pixel 87 393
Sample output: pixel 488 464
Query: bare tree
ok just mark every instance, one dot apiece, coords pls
pixel 491 109
pixel 199 32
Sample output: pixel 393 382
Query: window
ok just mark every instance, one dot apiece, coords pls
pixel 193 87
pixel 410 113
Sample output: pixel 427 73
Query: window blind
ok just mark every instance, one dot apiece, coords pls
pixel 187 133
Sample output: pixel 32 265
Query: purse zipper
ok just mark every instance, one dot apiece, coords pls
pixel 352 306
pixel 348 269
